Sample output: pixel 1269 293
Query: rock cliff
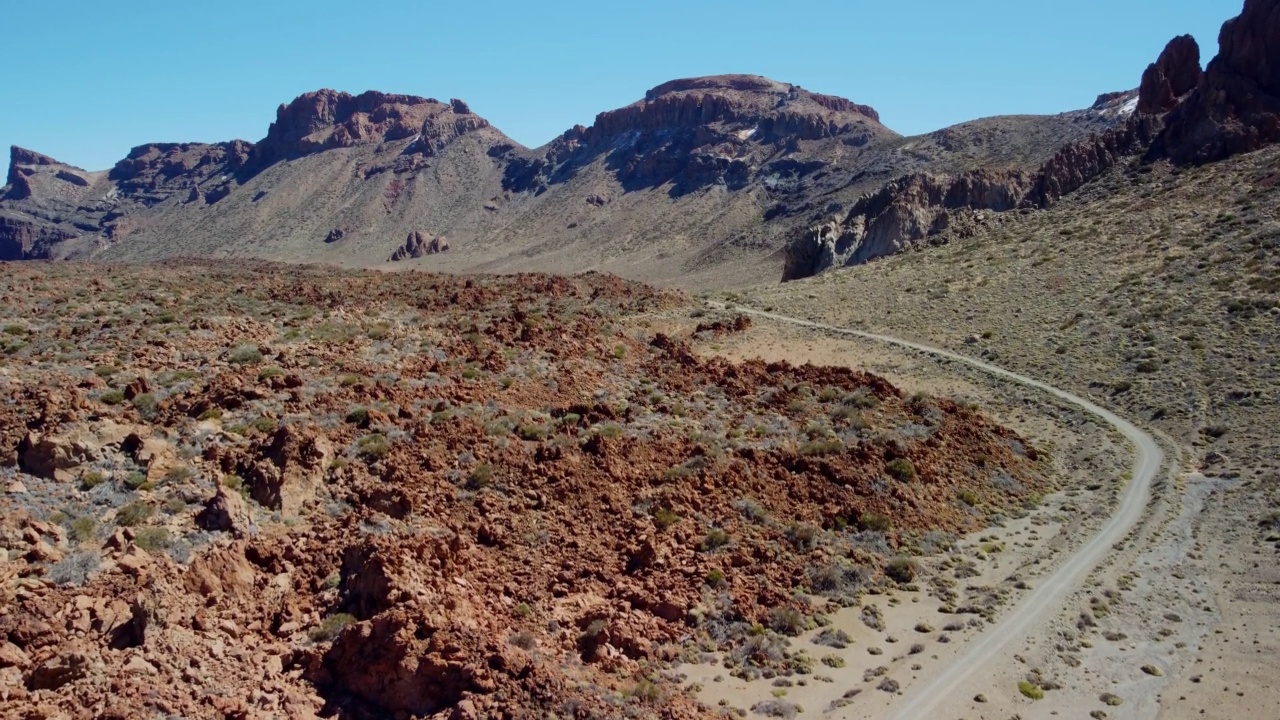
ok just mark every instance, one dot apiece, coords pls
pixel 1235 107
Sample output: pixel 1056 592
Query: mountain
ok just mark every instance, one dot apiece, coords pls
pixel 703 177
pixel 1182 116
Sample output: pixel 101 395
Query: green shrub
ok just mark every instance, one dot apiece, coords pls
pixel 331 627
pixel 146 405
pixel 875 522
pixel 268 373
pixel 787 620
pixel 263 425
pixel 134 514
pixel 1031 690
pixel 901 468
pixel 833 661
pixel 967 496
pixel 480 477
pixel 647 691
pixel 16 330
pixel 901 569
pixel 665 518
pixel 112 397
pixel 716 578
pixel 373 447
pixel 153 538
pixel 244 355
pixel 135 480
pixel 715 539
pixel 358 416
pixel 92 479
pixel 84 528
pixel 212 413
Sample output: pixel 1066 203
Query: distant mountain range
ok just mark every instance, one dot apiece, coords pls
pixel 712 180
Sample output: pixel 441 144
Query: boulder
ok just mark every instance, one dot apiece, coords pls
pixel 1174 74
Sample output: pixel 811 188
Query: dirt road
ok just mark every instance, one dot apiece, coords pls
pixel 1045 601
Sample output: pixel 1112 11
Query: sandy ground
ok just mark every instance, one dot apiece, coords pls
pixel 1182 620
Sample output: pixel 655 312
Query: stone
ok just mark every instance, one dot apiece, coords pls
pixel 1174 74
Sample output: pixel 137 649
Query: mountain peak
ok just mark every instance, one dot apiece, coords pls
pixel 326 119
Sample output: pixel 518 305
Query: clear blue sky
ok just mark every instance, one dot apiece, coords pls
pixel 85 81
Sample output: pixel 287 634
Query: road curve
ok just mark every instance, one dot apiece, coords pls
pixel 924 698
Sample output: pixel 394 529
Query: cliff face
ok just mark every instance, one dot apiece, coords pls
pixel 1174 74
pixel 1235 107
pixel 698 132
pixel 912 210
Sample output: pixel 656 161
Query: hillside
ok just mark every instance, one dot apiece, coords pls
pixel 703 180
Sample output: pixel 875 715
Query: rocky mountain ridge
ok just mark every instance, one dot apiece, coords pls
pixel 704 180
pixel 1181 114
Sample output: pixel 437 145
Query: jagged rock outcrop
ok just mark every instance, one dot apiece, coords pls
pixel 161 170
pixel 909 211
pixel 1174 74
pixel 1078 163
pixel 901 214
pixel 418 245
pixel 24 238
pixel 1236 106
pixel 328 119
pixel 697 132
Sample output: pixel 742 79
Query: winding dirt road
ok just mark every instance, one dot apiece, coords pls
pixel 1045 601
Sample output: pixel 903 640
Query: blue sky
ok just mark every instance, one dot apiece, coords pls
pixel 85 81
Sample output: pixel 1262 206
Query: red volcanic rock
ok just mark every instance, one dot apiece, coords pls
pixel 1078 163
pixel 1236 106
pixel 25 238
pixel 1174 74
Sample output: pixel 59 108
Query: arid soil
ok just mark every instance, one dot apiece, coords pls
pixel 256 490
pixel 1152 291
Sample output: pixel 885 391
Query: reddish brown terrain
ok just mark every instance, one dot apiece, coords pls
pixel 278 491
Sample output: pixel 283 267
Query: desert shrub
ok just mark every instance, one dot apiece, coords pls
pixel 146 405
pixel 715 578
pixel 92 479
pixel 75 568
pixel 135 480
pixel 263 424
pixel 523 640
pixel 112 397
pixel 875 522
pixel 1031 690
pixel 967 496
pixel 831 637
pixel 179 473
pixel 533 432
pixel 776 708
pixel 609 430
pixel 750 509
pixel 833 661
pixel 268 373
pixel 244 355
pixel 787 620
pixel 646 690
pixel 815 448
pixel 105 371
pixel 901 468
pixel 212 413
pixel 835 578
pixel 358 416
pixel 373 447
pixel 134 514
pixel 153 538
pixel 888 685
pixel 665 518
pixel 480 477
pixel 84 528
pixel 714 540
pixel 901 569
pixel 15 330
pixel 331 627
pixel 802 535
